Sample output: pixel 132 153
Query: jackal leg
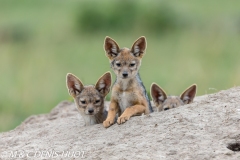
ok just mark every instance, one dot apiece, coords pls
pixel 131 111
pixel 113 109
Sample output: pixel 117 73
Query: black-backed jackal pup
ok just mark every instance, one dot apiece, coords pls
pixel 89 99
pixel 164 102
pixel 129 96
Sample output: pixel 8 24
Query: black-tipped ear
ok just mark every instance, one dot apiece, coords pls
pixel 139 47
pixel 74 85
pixel 104 83
pixel 188 95
pixel 158 94
pixel 111 48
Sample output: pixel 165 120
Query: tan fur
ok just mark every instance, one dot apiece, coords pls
pixel 164 102
pixel 128 97
pixel 89 99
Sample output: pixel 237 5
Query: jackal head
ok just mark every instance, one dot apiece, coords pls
pixel 89 99
pixel 164 102
pixel 125 62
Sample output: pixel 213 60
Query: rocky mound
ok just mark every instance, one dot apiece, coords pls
pixel 207 129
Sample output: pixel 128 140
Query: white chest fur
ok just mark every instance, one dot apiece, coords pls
pixel 125 99
pixel 126 95
pixel 89 120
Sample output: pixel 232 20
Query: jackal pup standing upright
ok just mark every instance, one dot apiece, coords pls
pixel 164 102
pixel 129 96
pixel 89 99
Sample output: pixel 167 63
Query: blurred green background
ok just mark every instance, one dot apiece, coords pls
pixel 42 40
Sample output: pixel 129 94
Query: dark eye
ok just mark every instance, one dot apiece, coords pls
pixel 83 102
pixel 132 64
pixel 118 64
pixel 97 101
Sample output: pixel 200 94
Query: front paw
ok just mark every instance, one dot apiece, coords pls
pixel 107 123
pixel 123 119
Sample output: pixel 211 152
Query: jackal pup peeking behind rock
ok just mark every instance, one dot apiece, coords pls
pixel 164 102
pixel 129 96
pixel 89 99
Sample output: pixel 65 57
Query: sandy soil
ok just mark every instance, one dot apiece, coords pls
pixel 204 129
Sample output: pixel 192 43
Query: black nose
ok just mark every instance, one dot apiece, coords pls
pixel 90 110
pixel 125 75
pixel 166 109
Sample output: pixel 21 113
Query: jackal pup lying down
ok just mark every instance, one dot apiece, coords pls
pixel 164 102
pixel 89 99
pixel 129 96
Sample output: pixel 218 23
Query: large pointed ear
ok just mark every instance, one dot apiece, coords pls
pixel 74 85
pixel 104 83
pixel 158 94
pixel 111 48
pixel 188 95
pixel 139 47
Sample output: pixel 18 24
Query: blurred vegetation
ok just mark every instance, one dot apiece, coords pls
pixel 41 41
pixel 123 16
pixel 119 16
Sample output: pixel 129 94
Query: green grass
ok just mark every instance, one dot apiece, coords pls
pixel 45 45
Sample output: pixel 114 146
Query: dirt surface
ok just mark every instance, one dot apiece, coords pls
pixel 204 129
